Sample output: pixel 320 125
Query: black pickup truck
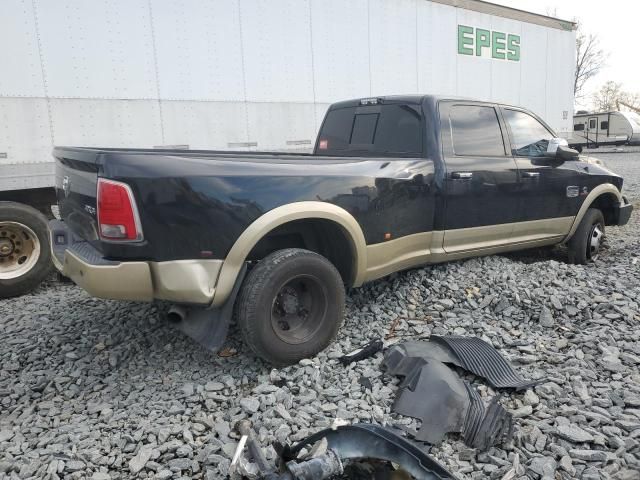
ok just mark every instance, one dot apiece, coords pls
pixel 393 183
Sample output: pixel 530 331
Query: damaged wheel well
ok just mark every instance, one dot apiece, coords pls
pixel 321 236
pixel 606 203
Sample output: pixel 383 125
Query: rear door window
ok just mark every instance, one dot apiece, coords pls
pixel 475 131
pixel 384 131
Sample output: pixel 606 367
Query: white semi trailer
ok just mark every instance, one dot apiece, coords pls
pixel 238 74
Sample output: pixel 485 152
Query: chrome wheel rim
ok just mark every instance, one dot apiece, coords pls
pixel 19 250
pixel 595 241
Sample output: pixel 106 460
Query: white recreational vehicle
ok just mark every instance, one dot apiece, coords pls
pixel 591 130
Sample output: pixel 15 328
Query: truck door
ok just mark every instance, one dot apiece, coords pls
pixel 481 183
pixel 550 190
pixel 592 130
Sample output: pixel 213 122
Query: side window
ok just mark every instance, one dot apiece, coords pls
pixel 392 130
pixel 592 123
pixel 578 127
pixel 475 131
pixel 530 137
pixel 399 130
pixel 604 125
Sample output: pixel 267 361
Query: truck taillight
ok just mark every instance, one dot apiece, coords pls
pixel 118 218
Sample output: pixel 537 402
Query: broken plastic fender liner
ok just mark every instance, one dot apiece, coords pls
pixel 478 357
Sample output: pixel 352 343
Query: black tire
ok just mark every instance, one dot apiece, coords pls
pixel 15 216
pixel 291 287
pixel 580 246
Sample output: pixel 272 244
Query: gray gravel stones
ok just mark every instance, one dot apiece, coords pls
pixel 100 476
pixel 214 386
pixel 589 455
pixel 101 389
pixel 138 461
pixel 546 318
pixel 574 434
pixel 250 405
pixel 544 467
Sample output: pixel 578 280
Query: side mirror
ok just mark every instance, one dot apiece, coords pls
pixel 558 148
pixel 566 154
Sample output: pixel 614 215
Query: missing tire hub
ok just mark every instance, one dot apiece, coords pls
pixel 6 247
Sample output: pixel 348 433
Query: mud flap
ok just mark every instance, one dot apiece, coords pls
pixel 209 326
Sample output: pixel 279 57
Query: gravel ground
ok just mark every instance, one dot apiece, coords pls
pixel 103 389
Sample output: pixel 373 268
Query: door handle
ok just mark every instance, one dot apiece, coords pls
pixel 530 174
pixel 461 175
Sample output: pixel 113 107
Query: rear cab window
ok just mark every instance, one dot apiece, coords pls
pixel 386 130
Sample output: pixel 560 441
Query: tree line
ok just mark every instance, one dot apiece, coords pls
pixel 590 60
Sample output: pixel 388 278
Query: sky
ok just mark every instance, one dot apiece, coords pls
pixel 615 22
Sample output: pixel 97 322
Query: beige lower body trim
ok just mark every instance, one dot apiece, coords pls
pixel 180 281
pixel 279 216
pixel 210 281
pixel 462 239
pixel 185 281
pixel 503 248
pixel 431 247
pixel 394 255
pixel 490 236
pixel 125 281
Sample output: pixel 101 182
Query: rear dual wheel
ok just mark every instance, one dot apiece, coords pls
pixel 25 257
pixel 291 306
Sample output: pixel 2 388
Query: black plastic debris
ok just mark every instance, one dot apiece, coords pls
pixel 445 403
pixel 368 350
pixel 478 357
pixel 366 383
pixel 338 453
pixel 373 442
pixel 495 425
pixel 432 392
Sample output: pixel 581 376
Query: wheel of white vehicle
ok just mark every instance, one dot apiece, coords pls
pixel 584 245
pixel 291 306
pixel 25 256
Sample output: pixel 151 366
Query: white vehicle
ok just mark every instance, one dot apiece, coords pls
pixel 592 130
pixel 239 74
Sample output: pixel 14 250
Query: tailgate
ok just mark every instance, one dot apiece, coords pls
pixel 76 189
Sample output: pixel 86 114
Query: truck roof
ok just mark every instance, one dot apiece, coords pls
pixel 414 99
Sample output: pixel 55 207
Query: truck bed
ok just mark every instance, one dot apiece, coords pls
pixel 191 202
